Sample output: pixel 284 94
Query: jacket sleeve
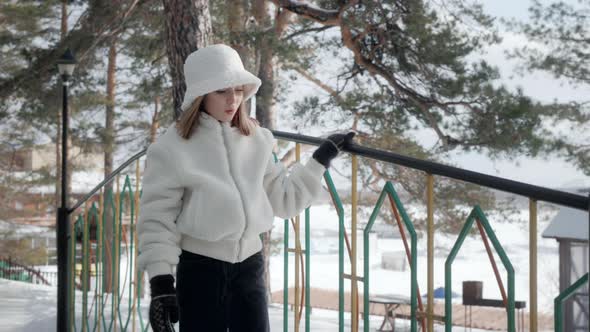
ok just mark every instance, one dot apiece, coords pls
pixel 160 205
pixel 289 194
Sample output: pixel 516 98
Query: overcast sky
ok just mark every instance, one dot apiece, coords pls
pixel 552 172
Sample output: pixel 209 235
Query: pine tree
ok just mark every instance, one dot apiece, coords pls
pixel 188 28
pixel 559 35
pixel 145 79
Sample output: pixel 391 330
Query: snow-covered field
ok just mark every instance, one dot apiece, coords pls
pixel 32 307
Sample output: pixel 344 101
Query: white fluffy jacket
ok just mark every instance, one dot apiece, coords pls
pixel 215 193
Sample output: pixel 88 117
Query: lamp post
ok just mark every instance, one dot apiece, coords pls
pixel 65 65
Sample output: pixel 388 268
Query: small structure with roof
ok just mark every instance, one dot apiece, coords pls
pixel 570 229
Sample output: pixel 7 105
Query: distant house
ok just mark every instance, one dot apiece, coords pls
pixel 570 229
pixel 43 156
pixel 39 201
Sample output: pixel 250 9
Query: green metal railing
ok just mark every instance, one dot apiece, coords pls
pixel 112 303
pixel 109 294
pixel 478 216
pixel 558 302
pixel 341 230
pixel 389 191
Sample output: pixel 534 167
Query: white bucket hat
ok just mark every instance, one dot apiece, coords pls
pixel 216 67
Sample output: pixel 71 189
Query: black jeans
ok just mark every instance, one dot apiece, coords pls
pixel 214 296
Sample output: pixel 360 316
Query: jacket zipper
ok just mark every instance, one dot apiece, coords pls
pixel 237 254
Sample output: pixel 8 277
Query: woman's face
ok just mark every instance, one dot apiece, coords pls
pixel 223 104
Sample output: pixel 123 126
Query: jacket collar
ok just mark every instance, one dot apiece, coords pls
pixel 207 120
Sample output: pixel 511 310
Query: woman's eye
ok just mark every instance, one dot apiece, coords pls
pixel 227 90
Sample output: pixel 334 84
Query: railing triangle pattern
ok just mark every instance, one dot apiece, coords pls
pixel 478 216
pixel 396 205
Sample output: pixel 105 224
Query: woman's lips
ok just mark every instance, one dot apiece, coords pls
pixel 229 111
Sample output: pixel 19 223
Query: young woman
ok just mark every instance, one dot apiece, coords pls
pixel 210 188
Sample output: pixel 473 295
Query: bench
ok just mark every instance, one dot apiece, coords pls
pixel 518 306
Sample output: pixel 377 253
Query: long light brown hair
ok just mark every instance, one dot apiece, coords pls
pixel 188 121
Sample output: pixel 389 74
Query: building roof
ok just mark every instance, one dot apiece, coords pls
pixel 568 224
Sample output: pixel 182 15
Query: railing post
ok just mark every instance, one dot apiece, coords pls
pixel 286 276
pixel 62 269
pixel 430 250
pixel 116 254
pixel 85 268
pixel 99 258
pixel 297 253
pixel 354 312
pixel 136 279
pixel 71 271
pixel 533 265
pixel 307 271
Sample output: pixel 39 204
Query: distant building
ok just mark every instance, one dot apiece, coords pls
pixel 570 229
pixel 38 202
pixel 43 156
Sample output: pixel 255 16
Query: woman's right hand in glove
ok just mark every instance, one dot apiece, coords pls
pixel 330 148
pixel 163 306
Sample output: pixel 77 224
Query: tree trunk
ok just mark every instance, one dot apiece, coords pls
pixel 265 112
pixel 109 148
pixel 265 107
pixel 236 20
pixel 188 28
pixel 264 97
pixel 237 25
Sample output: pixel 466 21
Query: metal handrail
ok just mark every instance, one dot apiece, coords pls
pixel 107 179
pixel 535 192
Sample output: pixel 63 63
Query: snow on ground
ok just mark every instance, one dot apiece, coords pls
pixel 32 308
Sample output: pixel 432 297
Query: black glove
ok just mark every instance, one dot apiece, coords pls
pixel 163 307
pixel 331 146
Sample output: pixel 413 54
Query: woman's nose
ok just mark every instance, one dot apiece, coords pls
pixel 231 98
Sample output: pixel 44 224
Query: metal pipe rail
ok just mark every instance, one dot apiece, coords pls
pixel 515 187
pixel 107 180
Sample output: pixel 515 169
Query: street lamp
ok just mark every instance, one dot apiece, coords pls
pixel 65 65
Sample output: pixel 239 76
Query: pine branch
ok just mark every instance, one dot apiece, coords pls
pixel 315 80
pixel 353 42
pixel 304 31
pixel 77 40
pixel 324 16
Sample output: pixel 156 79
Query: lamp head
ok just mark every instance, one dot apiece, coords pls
pixel 66 64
